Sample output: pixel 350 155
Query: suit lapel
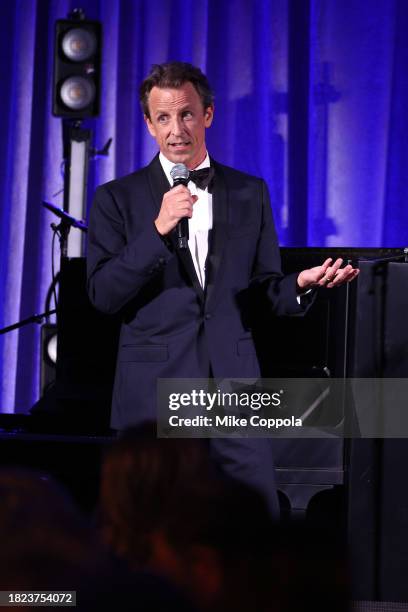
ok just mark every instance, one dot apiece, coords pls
pixel 159 185
pixel 218 236
pixel 158 181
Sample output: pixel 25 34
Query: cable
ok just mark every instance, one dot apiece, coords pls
pixel 55 277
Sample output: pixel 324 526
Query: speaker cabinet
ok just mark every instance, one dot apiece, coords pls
pixel 77 68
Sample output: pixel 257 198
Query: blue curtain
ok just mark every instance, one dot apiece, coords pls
pixel 312 95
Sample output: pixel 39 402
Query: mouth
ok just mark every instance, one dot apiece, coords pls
pixel 179 145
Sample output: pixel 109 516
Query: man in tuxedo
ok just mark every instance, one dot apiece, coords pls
pixel 187 313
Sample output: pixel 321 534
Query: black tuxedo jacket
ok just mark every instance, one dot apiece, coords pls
pixel 172 328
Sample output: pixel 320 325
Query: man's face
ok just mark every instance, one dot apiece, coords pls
pixel 178 123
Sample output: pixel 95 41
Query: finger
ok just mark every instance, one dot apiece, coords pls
pixel 341 275
pixel 186 197
pixel 325 265
pixel 180 209
pixel 351 276
pixel 346 276
pixel 180 203
pixel 333 271
pixel 179 189
pixel 182 196
pixel 320 272
pixel 337 264
pixel 323 280
pixel 186 211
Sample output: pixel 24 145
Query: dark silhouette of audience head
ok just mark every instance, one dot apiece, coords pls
pixel 143 479
pixel 47 545
pixel 174 531
pixel 45 542
pixel 165 508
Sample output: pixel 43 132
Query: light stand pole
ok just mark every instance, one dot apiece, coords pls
pixel 76 156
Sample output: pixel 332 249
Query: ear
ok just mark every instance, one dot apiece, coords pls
pixel 150 126
pixel 208 116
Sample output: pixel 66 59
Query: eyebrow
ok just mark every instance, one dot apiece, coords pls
pixel 166 111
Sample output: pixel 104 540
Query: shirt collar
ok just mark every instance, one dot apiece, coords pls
pixel 167 165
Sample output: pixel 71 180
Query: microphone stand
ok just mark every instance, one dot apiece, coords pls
pixel 62 229
pixel 37 318
pixel 64 226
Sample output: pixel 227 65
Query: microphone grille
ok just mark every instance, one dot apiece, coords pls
pixel 179 171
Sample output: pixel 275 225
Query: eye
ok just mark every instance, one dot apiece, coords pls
pixel 187 114
pixel 162 118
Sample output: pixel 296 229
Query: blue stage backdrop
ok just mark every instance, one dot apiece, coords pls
pixel 310 94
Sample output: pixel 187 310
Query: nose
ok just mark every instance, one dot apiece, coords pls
pixel 176 126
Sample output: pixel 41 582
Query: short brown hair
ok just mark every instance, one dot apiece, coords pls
pixel 174 75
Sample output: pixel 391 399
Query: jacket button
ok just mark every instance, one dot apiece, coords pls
pixel 207 316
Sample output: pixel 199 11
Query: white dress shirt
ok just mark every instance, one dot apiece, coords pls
pixel 200 223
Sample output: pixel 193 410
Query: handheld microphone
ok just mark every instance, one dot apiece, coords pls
pixel 180 173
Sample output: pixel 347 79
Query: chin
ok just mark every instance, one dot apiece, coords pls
pixel 180 159
pixel 182 156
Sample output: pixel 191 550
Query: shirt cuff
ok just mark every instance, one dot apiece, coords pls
pixel 303 299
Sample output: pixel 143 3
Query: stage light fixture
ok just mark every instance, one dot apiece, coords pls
pixel 77 67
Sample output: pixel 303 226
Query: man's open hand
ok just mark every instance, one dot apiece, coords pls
pixel 326 275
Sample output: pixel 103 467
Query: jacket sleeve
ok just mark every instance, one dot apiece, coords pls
pixel 267 277
pixel 117 268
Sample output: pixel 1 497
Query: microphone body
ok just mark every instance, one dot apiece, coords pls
pixel 180 173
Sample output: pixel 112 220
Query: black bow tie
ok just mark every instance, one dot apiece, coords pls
pixel 202 178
